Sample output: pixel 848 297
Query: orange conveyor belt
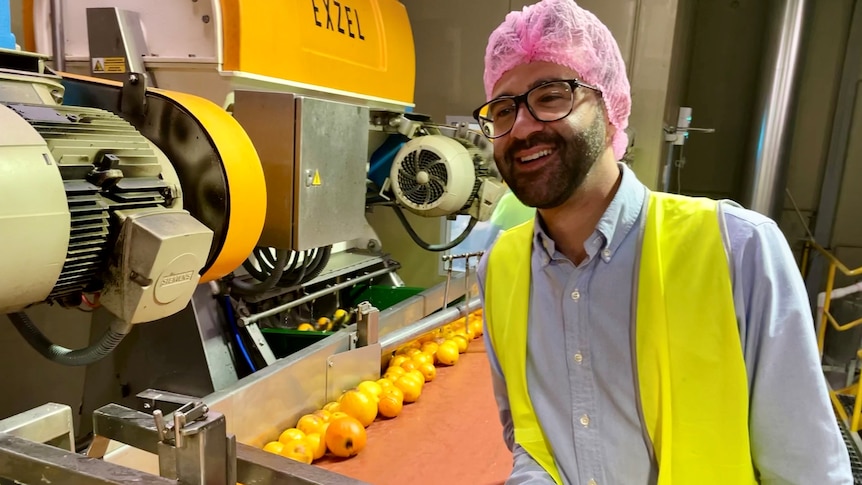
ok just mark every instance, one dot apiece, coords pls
pixel 451 435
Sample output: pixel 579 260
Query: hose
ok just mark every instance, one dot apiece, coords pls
pixel 231 318
pixel 319 264
pixel 61 355
pixel 246 289
pixel 433 247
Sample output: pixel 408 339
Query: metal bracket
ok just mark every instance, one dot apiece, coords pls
pixel 133 98
pixel 194 448
pixel 367 325
pixel 449 258
pixel 155 399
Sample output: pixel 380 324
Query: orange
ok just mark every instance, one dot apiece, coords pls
pixel 395 371
pixel 331 407
pixel 324 414
pixel 317 444
pixel 360 406
pixel 462 343
pixel 412 351
pixel 422 358
pixel 290 434
pixel 298 450
pixel 408 365
pixel 371 388
pixel 398 360
pixel 345 437
pixel 429 348
pixel 394 391
pixel 419 376
pixel 476 327
pixel 411 388
pixel 337 414
pixel 447 354
pixel 389 405
pixel 274 447
pixel 429 371
pixel 384 384
pixel 310 423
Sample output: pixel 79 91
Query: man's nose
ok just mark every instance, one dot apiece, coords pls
pixel 525 123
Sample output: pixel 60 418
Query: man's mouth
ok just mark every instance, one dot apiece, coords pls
pixel 535 156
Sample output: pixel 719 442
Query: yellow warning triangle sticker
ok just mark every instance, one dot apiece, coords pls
pixel 98 67
pixel 316 179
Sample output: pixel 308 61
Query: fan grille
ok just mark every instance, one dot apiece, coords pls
pixel 428 190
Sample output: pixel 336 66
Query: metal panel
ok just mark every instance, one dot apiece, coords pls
pixel 29 462
pixel 268 118
pixel 331 154
pixel 838 146
pixel 346 369
pixel 116 43
pixel 49 423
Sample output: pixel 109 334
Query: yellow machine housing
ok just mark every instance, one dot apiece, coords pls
pixel 363 47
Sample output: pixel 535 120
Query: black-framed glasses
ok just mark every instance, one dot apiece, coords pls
pixel 549 101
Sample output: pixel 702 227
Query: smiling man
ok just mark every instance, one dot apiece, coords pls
pixel 634 337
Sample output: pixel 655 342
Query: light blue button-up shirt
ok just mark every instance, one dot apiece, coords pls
pixel 580 369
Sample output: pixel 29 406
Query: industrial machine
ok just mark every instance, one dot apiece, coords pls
pixel 204 169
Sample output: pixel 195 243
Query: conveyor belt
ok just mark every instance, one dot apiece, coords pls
pixel 450 435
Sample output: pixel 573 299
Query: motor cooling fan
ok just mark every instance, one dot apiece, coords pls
pixel 435 175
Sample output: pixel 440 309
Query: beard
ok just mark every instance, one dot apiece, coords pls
pixel 565 171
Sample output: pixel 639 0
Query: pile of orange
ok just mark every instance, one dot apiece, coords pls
pixel 339 427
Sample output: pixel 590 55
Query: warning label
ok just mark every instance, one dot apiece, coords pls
pixel 108 65
pixel 316 180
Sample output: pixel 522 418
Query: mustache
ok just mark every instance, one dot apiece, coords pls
pixel 532 140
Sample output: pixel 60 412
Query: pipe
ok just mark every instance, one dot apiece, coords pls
pixel 401 336
pixel 58 36
pixel 837 293
pixel 245 321
pixel 769 157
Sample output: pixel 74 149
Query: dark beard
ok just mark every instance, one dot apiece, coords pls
pixel 555 184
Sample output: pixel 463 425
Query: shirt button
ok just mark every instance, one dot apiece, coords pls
pixel 606 254
pixel 579 358
pixel 585 420
pixel 576 295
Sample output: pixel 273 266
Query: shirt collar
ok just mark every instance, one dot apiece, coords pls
pixel 613 227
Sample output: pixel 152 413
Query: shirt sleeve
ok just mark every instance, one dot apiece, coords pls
pixel 525 470
pixel 795 438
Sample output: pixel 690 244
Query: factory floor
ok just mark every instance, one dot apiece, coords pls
pixel 451 435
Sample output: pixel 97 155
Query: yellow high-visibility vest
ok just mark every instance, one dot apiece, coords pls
pixel 690 368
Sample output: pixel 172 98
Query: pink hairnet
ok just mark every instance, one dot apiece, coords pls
pixel 561 32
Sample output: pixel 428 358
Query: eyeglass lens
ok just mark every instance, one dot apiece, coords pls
pixel 548 102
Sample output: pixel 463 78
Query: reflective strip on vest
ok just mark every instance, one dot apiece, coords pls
pixel 691 373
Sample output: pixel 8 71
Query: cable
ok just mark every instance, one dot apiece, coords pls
pixel 321 260
pixel 61 355
pixel 433 247
pixel 243 288
pixel 231 318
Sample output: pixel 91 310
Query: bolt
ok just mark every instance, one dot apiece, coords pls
pixel 146 405
pixel 206 19
pixel 133 79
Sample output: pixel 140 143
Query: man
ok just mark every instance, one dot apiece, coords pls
pixel 634 337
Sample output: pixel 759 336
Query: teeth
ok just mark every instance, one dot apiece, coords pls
pixel 536 155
